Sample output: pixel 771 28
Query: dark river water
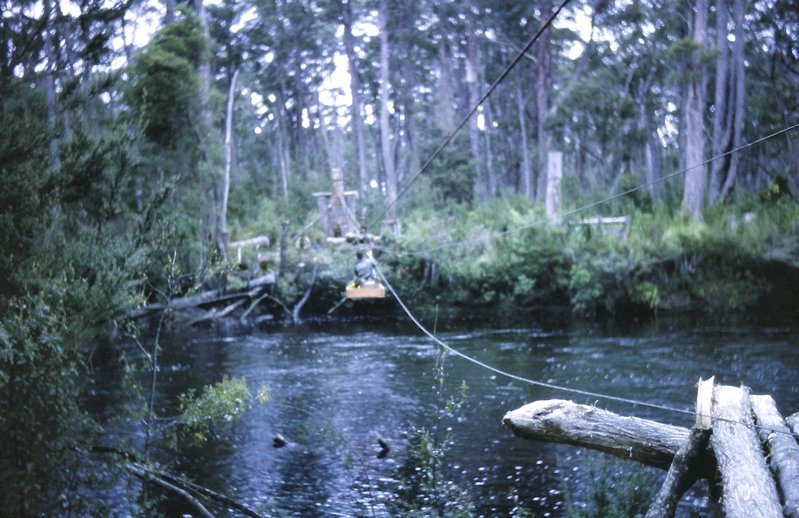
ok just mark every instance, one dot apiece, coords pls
pixel 336 386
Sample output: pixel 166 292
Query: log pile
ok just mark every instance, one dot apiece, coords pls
pixel 740 443
pixel 209 300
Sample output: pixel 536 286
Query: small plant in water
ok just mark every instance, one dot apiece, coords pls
pixel 614 489
pixel 425 489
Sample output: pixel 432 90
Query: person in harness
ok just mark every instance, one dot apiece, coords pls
pixel 364 269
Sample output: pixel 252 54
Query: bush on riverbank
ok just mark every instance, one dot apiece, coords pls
pixel 505 254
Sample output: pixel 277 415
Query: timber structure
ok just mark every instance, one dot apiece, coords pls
pixel 337 208
pixel 740 444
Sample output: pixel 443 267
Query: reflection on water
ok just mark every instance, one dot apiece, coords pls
pixel 336 387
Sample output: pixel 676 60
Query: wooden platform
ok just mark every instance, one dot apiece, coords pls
pixel 367 291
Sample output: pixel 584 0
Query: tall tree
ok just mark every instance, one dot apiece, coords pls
pixel 359 142
pixel 472 86
pixel 739 85
pixel 721 127
pixel 385 128
pixel 543 69
pixel 696 176
pixel 223 235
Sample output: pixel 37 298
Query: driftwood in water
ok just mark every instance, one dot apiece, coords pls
pixel 783 451
pixel 748 488
pixel 295 313
pixel 633 438
pixel 214 313
pixel 146 475
pixel 185 488
pixel 253 288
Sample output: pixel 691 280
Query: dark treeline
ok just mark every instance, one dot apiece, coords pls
pixel 127 169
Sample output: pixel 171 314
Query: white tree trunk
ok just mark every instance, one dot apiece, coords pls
pixel 223 237
pixel 526 174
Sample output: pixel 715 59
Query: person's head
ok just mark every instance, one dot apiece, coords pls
pixel 359 254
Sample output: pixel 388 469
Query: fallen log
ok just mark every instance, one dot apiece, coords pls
pixel 561 421
pixel 215 313
pixel 253 289
pixel 748 489
pixel 145 475
pixel 783 451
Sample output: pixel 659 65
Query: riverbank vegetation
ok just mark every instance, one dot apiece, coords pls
pixel 742 258
pixel 128 167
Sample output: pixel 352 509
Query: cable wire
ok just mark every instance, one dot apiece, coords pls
pixel 554 386
pixel 607 199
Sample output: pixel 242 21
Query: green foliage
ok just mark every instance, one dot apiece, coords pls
pixel 452 173
pixel 220 405
pixel 24 176
pixel 425 488
pixel 477 262
pixel 166 88
pixel 41 377
pixel 505 254
pixel 74 251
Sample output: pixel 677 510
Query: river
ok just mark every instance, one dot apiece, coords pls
pixel 336 386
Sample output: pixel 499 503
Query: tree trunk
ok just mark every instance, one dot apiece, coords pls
pixel 385 128
pixel 721 132
pixel 444 109
pixel 169 14
pixel 355 109
pixel 474 96
pixel 204 68
pixel 492 184
pixel 740 94
pixel 654 160
pixel 282 145
pixel 223 236
pixel 695 177
pixel 542 83
pixel 526 174
pixel 632 438
pixel 749 489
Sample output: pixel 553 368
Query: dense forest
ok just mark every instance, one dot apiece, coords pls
pixel 139 138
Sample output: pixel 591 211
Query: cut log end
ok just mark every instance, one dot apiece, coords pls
pixel 633 438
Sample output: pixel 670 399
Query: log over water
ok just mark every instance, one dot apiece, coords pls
pixel 557 420
pixel 728 449
pixel 783 451
pixel 748 488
